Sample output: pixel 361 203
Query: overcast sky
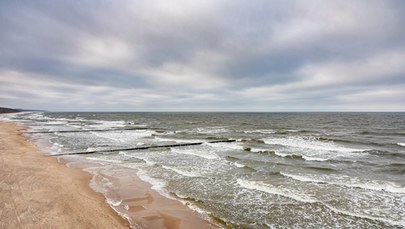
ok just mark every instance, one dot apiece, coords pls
pixel 202 55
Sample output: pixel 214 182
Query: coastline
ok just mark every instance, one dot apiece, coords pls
pixel 41 191
pixel 38 192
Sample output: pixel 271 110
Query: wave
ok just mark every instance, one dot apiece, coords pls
pixel 126 137
pixel 56 147
pixel 157 185
pixel 261 151
pixel 209 130
pixel 398 164
pixel 239 165
pixel 259 131
pixel 232 158
pixel 292 156
pixel 138 157
pixel 217 139
pixel 396 171
pixel 263 187
pixel 113 202
pixel 384 153
pixel 251 140
pixel 314 158
pixel 224 146
pixel 349 182
pixel 351 141
pixel 55 123
pixel 300 157
pixel 98 159
pixel 381 133
pixel 396 168
pixel 357 215
pixel 284 132
pixel 321 168
pixel 181 172
pixel 199 153
pixel 186 198
pixel 105 124
pixel 401 143
pixel 310 143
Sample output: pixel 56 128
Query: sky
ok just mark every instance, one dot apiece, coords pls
pixel 203 55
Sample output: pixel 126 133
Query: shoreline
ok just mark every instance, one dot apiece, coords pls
pixel 43 191
pixel 137 200
pixel 37 191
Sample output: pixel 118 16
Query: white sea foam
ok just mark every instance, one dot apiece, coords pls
pixel 128 136
pixel 224 146
pixel 181 172
pixel 388 221
pixel 351 182
pixel 196 152
pixel 401 143
pixel 7 117
pixel 56 147
pixel 107 124
pixel 259 131
pixel 98 159
pixel 209 130
pixel 307 158
pixel 238 165
pixel 99 183
pixel 258 150
pixel 178 141
pixel 90 149
pixel 157 185
pixel 114 203
pixel 312 149
pixel 57 122
pixel 103 185
pixel 146 160
pixel 293 131
pixel 314 158
pixel 282 154
pixel 309 143
pixel 261 186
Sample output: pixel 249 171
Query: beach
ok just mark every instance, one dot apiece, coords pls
pixel 36 191
pixel 200 170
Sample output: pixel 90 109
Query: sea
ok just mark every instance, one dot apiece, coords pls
pixel 243 170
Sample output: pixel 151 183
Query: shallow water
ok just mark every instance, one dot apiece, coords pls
pixel 285 170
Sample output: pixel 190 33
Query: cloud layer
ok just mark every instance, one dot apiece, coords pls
pixel 203 55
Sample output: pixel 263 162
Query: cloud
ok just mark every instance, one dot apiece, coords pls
pixel 219 55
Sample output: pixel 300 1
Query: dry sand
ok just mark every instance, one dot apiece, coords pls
pixel 38 192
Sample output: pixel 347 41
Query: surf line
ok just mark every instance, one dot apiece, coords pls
pixel 86 130
pixel 142 148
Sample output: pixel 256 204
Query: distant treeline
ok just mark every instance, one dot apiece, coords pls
pixel 8 110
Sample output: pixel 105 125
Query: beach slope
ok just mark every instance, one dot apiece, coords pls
pixel 38 192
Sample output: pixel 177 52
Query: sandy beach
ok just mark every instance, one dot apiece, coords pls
pixel 36 191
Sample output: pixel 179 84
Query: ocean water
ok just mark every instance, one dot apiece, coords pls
pixel 284 170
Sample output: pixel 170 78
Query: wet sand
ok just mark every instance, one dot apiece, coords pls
pixel 36 191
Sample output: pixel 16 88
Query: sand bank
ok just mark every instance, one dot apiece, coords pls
pixel 38 192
